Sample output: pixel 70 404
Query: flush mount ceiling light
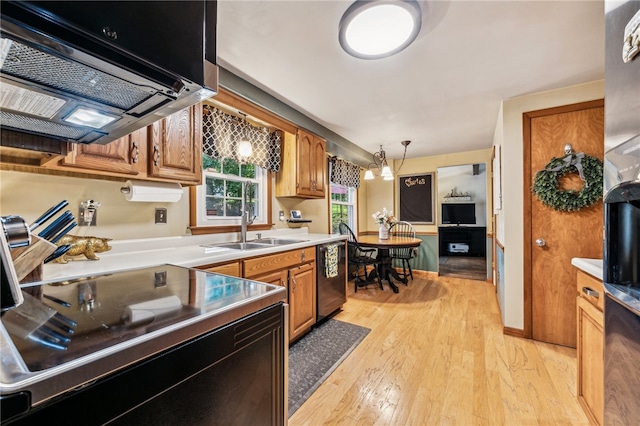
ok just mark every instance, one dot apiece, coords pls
pixel 374 29
pixel 380 162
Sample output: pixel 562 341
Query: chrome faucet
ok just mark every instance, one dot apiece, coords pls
pixel 248 205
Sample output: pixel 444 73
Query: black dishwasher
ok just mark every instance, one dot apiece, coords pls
pixel 331 279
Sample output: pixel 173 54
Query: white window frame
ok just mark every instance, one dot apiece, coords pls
pixel 202 219
pixel 353 202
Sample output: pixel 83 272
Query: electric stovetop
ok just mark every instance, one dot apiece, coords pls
pixel 75 331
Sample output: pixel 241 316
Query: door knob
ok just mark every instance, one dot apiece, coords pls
pixel 540 242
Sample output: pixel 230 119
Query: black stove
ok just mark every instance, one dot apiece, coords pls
pixel 70 332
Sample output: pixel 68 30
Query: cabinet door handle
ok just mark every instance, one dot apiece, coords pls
pixel 590 292
pixel 156 154
pixel 295 283
pixel 135 152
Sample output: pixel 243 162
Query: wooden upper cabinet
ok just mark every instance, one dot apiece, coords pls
pixel 303 171
pixel 175 146
pixel 319 169
pixel 167 150
pixel 122 156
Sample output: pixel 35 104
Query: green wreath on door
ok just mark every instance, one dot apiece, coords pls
pixel 546 184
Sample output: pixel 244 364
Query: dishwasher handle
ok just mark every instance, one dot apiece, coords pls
pixel 323 247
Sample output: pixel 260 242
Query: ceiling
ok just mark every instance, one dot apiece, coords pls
pixel 442 93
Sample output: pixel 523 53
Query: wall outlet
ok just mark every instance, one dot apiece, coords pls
pixel 281 216
pixel 161 215
pixel 87 217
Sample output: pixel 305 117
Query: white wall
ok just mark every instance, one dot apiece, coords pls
pixel 508 134
pixel 462 178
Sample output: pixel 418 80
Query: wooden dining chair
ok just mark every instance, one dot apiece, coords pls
pixel 359 257
pixel 403 254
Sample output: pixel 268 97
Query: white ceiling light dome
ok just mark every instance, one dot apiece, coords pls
pixel 374 29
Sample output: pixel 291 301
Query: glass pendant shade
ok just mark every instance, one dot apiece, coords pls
pixel 245 149
pixel 368 175
pixel 386 171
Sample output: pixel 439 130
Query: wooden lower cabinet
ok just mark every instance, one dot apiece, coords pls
pixel 280 278
pixel 232 268
pixel 302 299
pixel 590 347
pixel 296 270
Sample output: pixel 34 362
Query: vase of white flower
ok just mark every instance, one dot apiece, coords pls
pixel 383 232
pixel 384 220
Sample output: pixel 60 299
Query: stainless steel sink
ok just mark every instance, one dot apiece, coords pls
pixel 243 246
pixel 277 241
pixel 253 244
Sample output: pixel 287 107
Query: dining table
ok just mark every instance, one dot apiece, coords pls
pixel 386 270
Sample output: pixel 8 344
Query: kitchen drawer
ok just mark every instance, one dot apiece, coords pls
pixel 274 262
pixel 232 269
pixel 588 284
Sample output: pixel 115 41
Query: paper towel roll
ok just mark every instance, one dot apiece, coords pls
pixel 138 190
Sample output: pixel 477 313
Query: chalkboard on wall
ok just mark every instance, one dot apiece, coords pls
pixel 416 198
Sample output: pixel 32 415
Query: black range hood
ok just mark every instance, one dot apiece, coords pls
pixel 119 64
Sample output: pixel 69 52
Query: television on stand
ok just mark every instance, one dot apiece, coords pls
pixel 458 214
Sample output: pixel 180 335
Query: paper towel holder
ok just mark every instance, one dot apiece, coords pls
pixel 131 194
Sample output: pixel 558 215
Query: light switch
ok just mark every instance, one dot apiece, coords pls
pixel 161 215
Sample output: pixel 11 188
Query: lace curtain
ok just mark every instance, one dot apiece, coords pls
pixel 222 131
pixel 344 173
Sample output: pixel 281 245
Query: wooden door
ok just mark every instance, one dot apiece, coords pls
pixel 550 295
pixel 175 146
pixel 302 299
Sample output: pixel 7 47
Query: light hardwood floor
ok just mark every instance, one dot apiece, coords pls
pixel 436 355
pixel 472 268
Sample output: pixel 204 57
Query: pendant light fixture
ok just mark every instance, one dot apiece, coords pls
pixel 374 29
pixel 244 147
pixel 380 162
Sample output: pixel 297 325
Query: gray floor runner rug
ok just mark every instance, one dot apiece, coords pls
pixel 314 357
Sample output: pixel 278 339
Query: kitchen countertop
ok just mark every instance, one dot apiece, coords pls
pixel 181 251
pixel 590 266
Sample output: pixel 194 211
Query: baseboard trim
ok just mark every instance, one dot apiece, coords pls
pixel 419 272
pixel 515 332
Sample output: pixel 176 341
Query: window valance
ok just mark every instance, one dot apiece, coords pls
pixel 344 173
pixel 222 132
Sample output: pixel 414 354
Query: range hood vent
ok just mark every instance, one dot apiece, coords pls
pixel 64 75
